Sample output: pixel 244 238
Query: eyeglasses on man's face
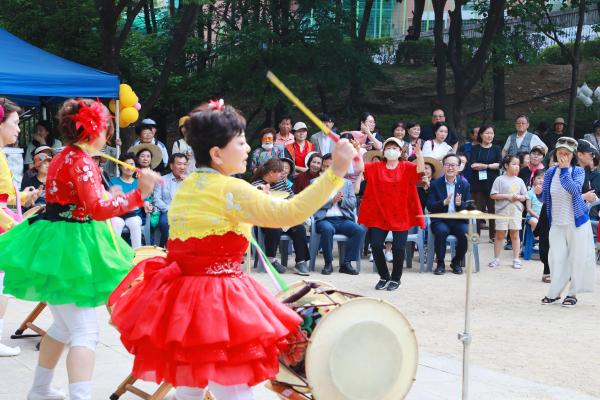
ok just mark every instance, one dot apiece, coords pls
pixel 451 165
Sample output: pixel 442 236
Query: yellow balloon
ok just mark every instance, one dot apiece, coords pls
pixel 129 115
pixel 128 99
pixel 112 106
pixel 124 88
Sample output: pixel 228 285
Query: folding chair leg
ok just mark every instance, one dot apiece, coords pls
pixel 122 388
pixel 161 392
pixel 28 323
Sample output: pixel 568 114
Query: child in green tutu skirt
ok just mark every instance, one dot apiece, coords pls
pixel 69 256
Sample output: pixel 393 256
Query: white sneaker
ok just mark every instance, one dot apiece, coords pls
pixel 517 264
pixel 495 263
pixel 53 394
pixel 371 258
pixel 389 257
pixel 7 351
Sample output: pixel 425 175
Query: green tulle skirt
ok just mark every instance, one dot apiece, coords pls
pixel 63 262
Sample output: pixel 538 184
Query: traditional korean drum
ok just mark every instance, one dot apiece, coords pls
pixel 349 347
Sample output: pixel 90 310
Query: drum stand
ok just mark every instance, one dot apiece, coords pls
pixel 159 394
pixel 465 336
pixel 28 324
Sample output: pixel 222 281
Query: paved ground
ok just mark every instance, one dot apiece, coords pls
pixel 521 350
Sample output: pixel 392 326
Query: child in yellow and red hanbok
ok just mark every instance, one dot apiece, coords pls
pixel 9 133
pixel 196 319
pixel 69 256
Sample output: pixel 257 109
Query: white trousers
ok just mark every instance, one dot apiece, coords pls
pixel 221 392
pixel 135 228
pixel 572 257
pixel 75 326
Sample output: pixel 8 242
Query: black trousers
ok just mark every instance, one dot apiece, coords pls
pixel 298 235
pixel 484 203
pixel 377 237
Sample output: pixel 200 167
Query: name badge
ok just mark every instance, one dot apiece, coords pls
pixel 483 175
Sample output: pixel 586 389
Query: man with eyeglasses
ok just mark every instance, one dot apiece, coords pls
pixel 522 141
pixel 428 133
pixel 448 194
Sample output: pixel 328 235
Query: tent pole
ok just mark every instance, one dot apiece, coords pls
pixel 118 132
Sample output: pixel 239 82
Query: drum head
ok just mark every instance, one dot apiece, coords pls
pixel 363 350
pixel 144 252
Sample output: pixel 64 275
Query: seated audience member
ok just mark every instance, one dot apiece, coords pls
pixel 163 194
pixel 301 147
pixel 535 163
pixel 509 192
pixel 323 143
pixel 368 137
pixel 133 219
pixel 268 177
pixel 414 138
pixel 437 147
pixel 43 136
pixel 181 145
pixel 534 204
pixel 41 161
pixel 464 162
pixel 428 133
pixel 146 132
pixel 147 155
pixel 267 149
pixel 338 216
pixel 288 172
pixel 449 194
pixel 302 180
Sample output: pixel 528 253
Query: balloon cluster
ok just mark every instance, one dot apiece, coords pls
pixel 128 106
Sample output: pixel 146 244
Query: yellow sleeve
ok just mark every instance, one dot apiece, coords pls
pixel 6 222
pixel 6 183
pixel 246 204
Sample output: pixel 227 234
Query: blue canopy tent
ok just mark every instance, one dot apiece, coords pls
pixel 32 76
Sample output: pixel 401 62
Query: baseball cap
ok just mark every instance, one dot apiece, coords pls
pixel 539 148
pixel 298 126
pixel 40 149
pixel 395 140
pixel 559 120
pixel 148 121
pixel 567 142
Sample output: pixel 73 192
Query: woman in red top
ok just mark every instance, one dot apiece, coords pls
pixel 84 261
pixel 391 203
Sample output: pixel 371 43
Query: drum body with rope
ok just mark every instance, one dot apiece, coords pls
pixel 350 347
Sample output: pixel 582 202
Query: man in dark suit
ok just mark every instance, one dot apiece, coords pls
pixel 447 194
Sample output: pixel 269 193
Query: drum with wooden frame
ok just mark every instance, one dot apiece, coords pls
pixel 349 347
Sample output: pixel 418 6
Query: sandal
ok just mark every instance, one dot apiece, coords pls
pixel 569 301
pixel 547 300
pixel 546 279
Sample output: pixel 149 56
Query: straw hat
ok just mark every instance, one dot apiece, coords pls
pixel 369 155
pixel 435 164
pixel 152 148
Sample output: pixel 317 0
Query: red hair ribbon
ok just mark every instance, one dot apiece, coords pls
pixel 92 118
pixel 216 105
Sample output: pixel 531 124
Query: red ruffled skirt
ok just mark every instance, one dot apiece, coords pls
pixel 195 317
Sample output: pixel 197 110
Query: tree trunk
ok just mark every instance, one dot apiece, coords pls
pixel 147 21
pixel 323 97
pixel 171 8
pixel 498 77
pixel 439 51
pixel 190 14
pixel 575 70
pixel 418 16
pixel 359 43
pixel 153 16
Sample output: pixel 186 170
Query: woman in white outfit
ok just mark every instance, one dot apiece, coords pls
pixel 572 251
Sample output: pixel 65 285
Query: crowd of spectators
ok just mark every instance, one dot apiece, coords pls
pixel 506 179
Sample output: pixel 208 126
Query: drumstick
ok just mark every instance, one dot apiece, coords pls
pixel 288 93
pixel 116 161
